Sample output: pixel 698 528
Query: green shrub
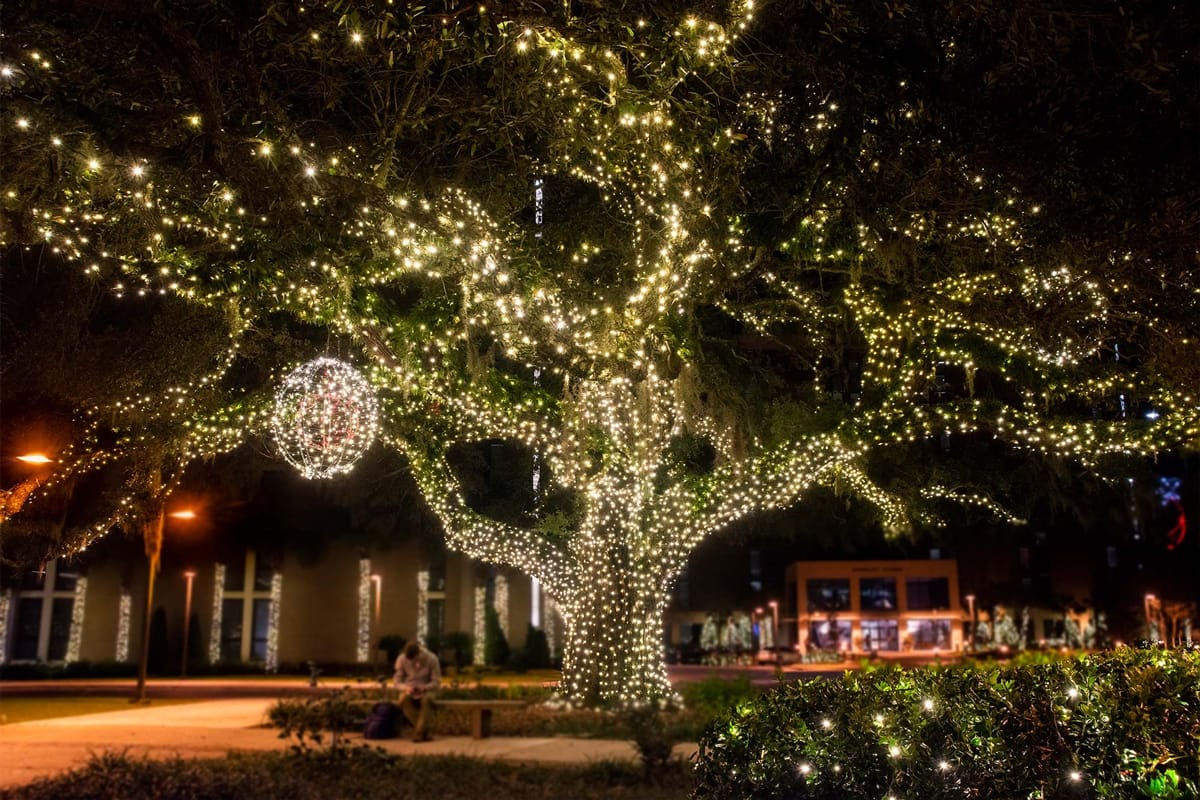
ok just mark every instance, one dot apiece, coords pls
pixel 654 740
pixel 71 669
pixel 536 654
pixel 459 648
pixel 359 773
pixel 1123 724
pixel 717 697
pixel 298 718
pixel 495 644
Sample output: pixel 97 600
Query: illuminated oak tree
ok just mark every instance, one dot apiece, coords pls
pixel 694 262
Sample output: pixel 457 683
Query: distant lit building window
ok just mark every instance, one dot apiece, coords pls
pixel 877 594
pixel 929 634
pixel 829 635
pixel 756 571
pixel 880 634
pixel 927 594
pixel 831 594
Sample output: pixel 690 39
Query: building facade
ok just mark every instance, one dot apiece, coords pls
pixel 883 607
pixel 252 609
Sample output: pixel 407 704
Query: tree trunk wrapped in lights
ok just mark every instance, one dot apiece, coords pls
pixel 700 263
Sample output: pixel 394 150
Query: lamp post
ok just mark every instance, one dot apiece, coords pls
pixel 762 637
pixel 971 618
pixel 1150 601
pixel 190 575
pixel 377 584
pixel 774 604
pixel 153 540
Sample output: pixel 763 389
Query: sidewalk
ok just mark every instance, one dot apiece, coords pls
pixel 212 728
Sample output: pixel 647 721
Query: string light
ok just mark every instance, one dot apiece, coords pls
pixel 75 632
pixel 326 417
pixel 5 606
pixel 272 656
pixel 218 606
pixel 683 243
pixel 363 639
pixel 422 605
pixel 124 620
pixel 479 656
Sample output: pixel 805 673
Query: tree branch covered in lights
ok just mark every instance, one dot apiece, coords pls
pixel 770 248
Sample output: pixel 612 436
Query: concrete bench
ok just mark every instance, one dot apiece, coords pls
pixel 481 712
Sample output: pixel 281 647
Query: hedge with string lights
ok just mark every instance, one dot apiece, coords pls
pixel 1119 724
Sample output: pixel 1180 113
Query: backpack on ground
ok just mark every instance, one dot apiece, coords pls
pixel 383 722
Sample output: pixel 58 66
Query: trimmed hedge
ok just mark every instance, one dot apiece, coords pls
pixel 1120 724
pixel 358 773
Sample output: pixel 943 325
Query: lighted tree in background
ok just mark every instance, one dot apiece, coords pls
pixel 698 261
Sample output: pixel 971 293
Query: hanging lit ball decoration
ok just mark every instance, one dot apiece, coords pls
pixel 326 416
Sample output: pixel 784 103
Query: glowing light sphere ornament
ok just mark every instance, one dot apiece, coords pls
pixel 326 416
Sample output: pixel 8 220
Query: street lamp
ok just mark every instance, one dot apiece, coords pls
pixel 1150 601
pixel 971 617
pixel 190 575
pixel 11 500
pixel 377 583
pixel 153 543
pixel 774 604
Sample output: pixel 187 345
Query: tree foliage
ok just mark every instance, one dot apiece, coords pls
pixel 688 262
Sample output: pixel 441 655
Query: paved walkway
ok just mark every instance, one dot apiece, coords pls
pixel 213 728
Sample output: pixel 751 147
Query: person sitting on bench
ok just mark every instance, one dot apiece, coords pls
pixel 418 676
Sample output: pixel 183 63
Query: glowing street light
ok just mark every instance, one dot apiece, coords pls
pixel 11 500
pixel 187 611
pixel 971 617
pixel 774 604
pixel 153 543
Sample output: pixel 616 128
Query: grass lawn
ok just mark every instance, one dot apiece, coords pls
pixel 25 709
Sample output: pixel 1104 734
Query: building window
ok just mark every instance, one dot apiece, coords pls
pixel 231 629
pixel 880 634
pixel 435 618
pixel 437 569
pixel 756 571
pixel 260 625
pixel 829 594
pixel 829 635
pixel 928 594
pixel 27 629
pixel 1054 628
pixel 45 613
pixel 246 609
pixel 877 594
pixel 929 634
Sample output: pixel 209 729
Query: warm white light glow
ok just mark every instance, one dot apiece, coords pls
pixel 124 618
pixel 78 607
pixel 325 418
pixel 218 604
pixel 363 649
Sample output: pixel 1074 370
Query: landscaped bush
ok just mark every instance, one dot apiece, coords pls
pixel 346 711
pixel 73 669
pixel 359 773
pixel 716 697
pixel 1122 724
